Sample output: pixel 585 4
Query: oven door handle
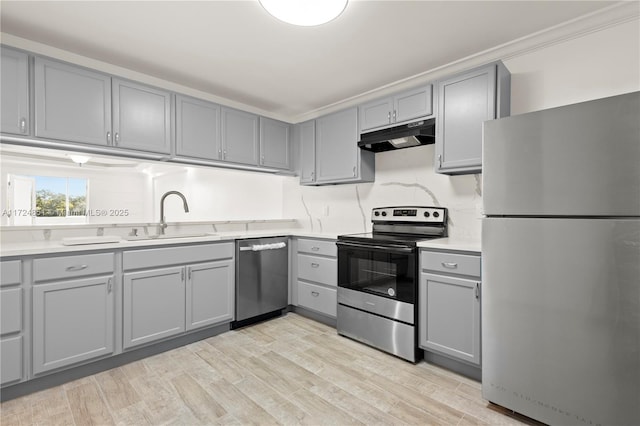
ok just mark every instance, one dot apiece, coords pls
pixel 392 249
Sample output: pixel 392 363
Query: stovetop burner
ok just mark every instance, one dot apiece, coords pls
pixel 404 226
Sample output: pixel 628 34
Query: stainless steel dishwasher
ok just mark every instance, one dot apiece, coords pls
pixel 262 284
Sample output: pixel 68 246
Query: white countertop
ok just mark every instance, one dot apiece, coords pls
pixel 457 244
pixel 50 247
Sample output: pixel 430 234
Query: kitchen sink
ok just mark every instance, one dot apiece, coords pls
pixel 166 237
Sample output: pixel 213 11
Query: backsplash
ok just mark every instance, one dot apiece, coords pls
pixel 403 177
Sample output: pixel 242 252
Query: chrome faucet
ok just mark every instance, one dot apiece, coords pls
pixel 163 223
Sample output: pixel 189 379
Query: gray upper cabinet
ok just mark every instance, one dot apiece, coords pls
pixel 71 103
pixel 338 158
pixel 14 90
pixel 197 128
pixel 306 138
pixel 275 144
pixel 240 136
pixel 465 101
pixel 404 106
pixel 141 117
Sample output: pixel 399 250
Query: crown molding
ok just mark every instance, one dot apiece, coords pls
pixel 611 16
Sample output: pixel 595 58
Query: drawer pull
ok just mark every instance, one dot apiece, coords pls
pixel 315 294
pixel 315 248
pixel 76 268
pixel 477 290
pixel 315 265
pixel 450 265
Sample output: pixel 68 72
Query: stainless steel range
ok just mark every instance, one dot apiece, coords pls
pixel 378 278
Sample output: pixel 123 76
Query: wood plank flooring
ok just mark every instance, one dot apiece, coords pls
pixel 289 371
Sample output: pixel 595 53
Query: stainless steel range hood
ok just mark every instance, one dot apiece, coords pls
pixel 404 136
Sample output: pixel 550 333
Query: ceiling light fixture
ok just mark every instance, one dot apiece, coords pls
pixel 306 13
pixel 79 159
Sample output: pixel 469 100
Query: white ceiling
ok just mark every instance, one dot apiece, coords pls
pixel 235 50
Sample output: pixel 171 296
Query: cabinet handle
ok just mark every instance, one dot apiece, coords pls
pixel 109 285
pixel 389 117
pixel 439 161
pixel 477 290
pixel 450 265
pixel 315 248
pixel 75 268
pixel 224 154
pixel 220 154
pixel 313 175
pixel 189 273
pixel 23 125
pixel 117 138
pixel 315 294
pixel 108 138
pixel 354 171
pixel 315 265
pixel 182 274
pixel 394 115
pixel 262 160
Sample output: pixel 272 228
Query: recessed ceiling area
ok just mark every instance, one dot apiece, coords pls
pixel 236 50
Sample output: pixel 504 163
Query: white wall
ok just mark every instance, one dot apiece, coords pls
pixel 599 64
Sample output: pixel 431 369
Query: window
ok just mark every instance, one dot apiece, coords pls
pixel 47 200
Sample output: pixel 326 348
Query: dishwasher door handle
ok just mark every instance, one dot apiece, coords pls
pixel 262 247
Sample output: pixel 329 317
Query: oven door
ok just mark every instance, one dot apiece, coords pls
pixel 383 270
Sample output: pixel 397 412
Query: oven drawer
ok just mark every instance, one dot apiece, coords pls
pixel 317 298
pixel 318 269
pixel 394 309
pixel 324 248
pixel 450 263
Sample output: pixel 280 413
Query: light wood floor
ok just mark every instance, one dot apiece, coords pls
pixel 290 370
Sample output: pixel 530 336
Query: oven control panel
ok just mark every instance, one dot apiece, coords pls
pixel 409 214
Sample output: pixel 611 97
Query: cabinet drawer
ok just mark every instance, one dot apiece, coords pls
pixel 11 310
pixel 450 263
pixel 10 272
pixel 317 298
pixel 72 266
pixel 160 257
pixel 10 360
pixel 325 248
pixel 319 269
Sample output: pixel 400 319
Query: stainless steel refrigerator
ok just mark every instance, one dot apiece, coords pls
pixel 561 263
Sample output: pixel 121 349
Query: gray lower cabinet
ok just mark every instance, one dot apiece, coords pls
pixel 141 117
pixel 73 321
pixel 317 276
pixel 71 103
pixel 338 159
pixel 210 293
pixel 11 328
pixel 449 305
pixel 153 305
pixel 275 144
pixel 240 136
pixel 197 129
pixel 14 92
pixel 170 290
pixel 465 101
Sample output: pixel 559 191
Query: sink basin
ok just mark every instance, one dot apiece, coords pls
pixel 164 237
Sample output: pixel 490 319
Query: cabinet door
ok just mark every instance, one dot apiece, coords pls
pixel 153 305
pixel 450 316
pixel 197 128
pixel 14 91
pixel 337 152
pixel 141 117
pixel 464 103
pixel 239 136
pixel 275 146
pixel 10 360
pixel 413 104
pixel 210 293
pixel 72 103
pixel 376 113
pixel 307 140
pixel 72 322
